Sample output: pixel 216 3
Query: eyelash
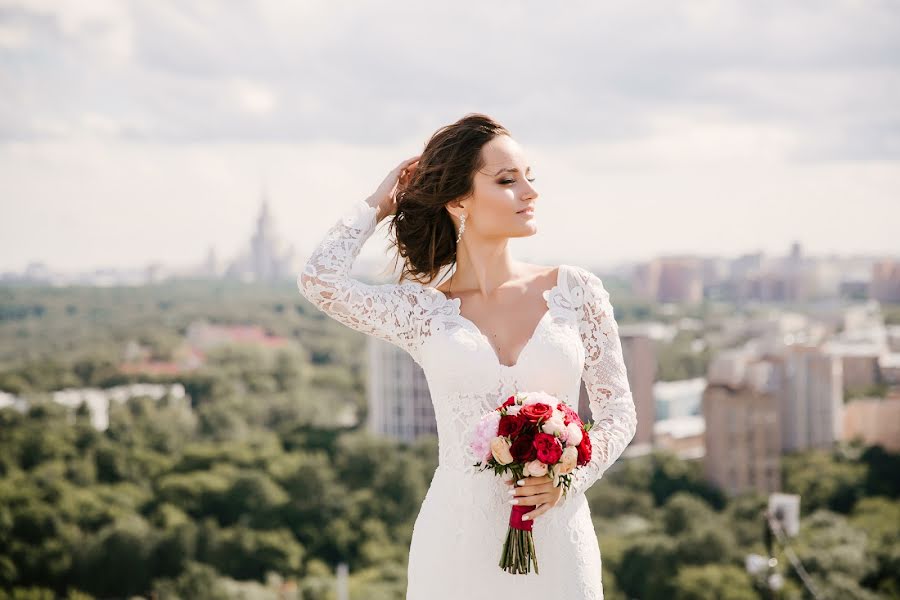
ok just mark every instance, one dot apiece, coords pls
pixel 513 180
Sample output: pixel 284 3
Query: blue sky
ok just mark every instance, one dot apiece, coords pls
pixel 133 132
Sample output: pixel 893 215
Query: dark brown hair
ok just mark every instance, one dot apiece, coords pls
pixel 425 235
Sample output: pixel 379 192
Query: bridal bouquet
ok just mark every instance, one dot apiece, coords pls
pixel 530 435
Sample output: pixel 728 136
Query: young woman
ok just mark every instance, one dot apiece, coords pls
pixel 497 326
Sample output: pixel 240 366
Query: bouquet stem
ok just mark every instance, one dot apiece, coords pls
pixel 518 549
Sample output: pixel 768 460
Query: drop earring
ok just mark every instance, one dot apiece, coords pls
pixel 462 227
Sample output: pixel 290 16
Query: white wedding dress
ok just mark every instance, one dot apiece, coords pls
pixel 459 532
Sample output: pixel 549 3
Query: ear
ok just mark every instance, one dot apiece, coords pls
pixel 456 208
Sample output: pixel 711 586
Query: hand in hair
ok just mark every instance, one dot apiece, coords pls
pixel 385 197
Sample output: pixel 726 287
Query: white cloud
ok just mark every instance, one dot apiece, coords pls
pixel 318 69
pixel 13 37
pixel 101 28
pixel 252 97
pixel 129 109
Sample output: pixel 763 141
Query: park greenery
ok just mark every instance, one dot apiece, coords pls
pixel 252 489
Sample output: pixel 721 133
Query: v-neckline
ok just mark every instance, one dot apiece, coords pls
pixel 546 294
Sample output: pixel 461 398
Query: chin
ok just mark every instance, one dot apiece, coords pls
pixel 528 233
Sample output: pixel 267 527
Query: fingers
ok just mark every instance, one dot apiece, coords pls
pixel 532 514
pixel 534 499
pixel 402 173
pixel 407 162
pixel 528 481
pixel 531 490
pixel 532 481
pixel 533 494
pixel 535 491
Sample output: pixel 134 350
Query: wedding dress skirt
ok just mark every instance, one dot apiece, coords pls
pixel 462 523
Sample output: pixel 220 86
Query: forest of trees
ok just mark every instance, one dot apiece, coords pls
pixel 253 491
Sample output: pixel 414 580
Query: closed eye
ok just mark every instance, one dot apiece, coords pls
pixel 505 181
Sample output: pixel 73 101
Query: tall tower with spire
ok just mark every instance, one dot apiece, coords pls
pixel 263 245
pixel 266 259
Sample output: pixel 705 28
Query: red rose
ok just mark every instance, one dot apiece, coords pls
pixel 548 448
pixel 536 411
pixel 509 401
pixel 510 425
pixel 584 449
pixel 522 449
pixel 569 415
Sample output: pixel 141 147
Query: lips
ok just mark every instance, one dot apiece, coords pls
pixel 529 211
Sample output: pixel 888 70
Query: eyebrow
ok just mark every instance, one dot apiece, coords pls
pixel 511 170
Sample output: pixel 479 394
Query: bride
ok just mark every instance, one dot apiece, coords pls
pixel 497 326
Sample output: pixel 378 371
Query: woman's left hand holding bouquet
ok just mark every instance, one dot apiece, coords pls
pixel 537 491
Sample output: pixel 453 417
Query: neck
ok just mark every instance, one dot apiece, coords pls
pixel 483 268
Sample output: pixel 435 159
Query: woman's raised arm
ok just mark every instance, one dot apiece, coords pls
pixel 387 311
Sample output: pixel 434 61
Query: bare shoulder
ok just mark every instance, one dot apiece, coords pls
pixel 442 288
pixel 538 271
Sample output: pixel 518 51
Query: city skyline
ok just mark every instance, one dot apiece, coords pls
pixel 267 237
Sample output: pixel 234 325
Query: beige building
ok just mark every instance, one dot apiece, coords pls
pixel 670 279
pixel 639 352
pixel 874 421
pixel 742 437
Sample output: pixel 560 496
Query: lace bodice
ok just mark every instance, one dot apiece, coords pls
pixel 576 339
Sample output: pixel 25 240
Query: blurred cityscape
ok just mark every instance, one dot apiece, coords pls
pixel 815 366
pixel 737 367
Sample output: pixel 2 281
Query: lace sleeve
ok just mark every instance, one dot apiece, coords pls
pixel 605 378
pixel 385 311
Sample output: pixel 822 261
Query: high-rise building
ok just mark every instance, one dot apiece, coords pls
pixel 810 397
pixel 399 401
pixel 639 353
pixel 741 436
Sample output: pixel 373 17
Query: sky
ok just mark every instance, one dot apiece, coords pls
pixel 145 131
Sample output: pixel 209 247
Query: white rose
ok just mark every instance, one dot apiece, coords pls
pixel 544 397
pixel 554 425
pixel 535 468
pixel 575 434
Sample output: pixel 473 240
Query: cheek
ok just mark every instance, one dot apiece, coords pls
pixel 499 203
